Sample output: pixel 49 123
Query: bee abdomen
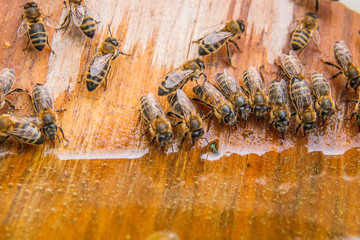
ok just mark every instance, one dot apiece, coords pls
pixel 205 49
pixel 34 135
pixel 277 93
pixel 7 79
pixel 92 82
pixel 37 34
pixel 300 38
pixel 88 26
pixel 174 104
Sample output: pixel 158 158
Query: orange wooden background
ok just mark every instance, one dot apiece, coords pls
pixel 107 182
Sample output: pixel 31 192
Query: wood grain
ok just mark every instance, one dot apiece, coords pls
pixel 108 182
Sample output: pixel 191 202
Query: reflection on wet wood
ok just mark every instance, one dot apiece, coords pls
pixel 113 185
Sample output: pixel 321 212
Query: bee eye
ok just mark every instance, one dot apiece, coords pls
pixel 225 109
pixel 308 126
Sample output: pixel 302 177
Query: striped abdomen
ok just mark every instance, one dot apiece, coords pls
pixel 300 94
pixel 205 49
pixel 37 35
pixel 300 38
pixel 32 134
pixel 163 90
pixel 7 79
pixel 41 98
pixel 175 105
pixel 88 26
pixel 320 85
pixel 149 109
pixel 92 82
pixel 277 93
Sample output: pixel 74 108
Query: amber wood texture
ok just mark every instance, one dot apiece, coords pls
pixel 109 183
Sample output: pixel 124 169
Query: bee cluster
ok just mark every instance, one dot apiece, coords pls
pixel 231 101
pixel 34 130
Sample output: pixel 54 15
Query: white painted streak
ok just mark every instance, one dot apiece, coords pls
pixel 276 29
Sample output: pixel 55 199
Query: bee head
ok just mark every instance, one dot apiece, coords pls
pixel 308 127
pixel 260 111
pixel 30 5
pixel 241 25
pixel 112 41
pixel 310 14
pixel 164 138
pixel 230 116
pixel 244 111
pixel 50 131
pixel 195 135
pixel 327 113
pixel 355 82
pixel 282 115
pixel 5 122
pixel 200 63
pixel 282 126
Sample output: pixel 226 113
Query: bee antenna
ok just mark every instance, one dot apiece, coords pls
pixel 157 149
pixel 172 148
pixel 211 64
pixel 110 31
pixel 205 140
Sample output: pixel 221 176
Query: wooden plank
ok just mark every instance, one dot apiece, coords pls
pixel 108 182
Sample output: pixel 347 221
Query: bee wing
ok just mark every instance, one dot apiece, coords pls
pixel 52 22
pixel 176 76
pixel 23 28
pixel 233 85
pixel 346 57
pixel 186 105
pixel 215 37
pixel 295 26
pixel 299 94
pixel 295 67
pixel 256 82
pixel 154 102
pixel 89 10
pixel 31 131
pixel 45 102
pixel 211 29
pixel 77 13
pixel 5 82
pixel 316 36
pixel 98 63
pixel 284 97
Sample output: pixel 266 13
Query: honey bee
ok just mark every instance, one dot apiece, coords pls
pixel 82 15
pixel 21 129
pixel 32 24
pixel 324 102
pixel 183 109
pixel 178 78
pixel 255 87
pixel 234 93
pixel 279 114
pixel 291 65
pixel 159 126
pixel 303 30
pixel 222 34
pixel 101 62
pixel 302 101
pixel 44 108
pixel 346 65
pixel 210 96
pixel 7 79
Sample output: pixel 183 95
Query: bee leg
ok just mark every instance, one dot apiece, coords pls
pixel 11 105
pixel 297 128
pixel 4 140
pixel 16 90
pixel 196 99
pixel 61 110
pixel 63 135
pixel 65 24
pixel 27 44
pixel 316 5
pixel 107 74
pixel 21 148
pixel 332 64
pixel 228 55
pixel 173 114
pixel 122 53
pixel 205 77
pixel 209 114
pixel 183 139
pixel 233 42
pixel 352 115
pixel 178 123
pixel 47 41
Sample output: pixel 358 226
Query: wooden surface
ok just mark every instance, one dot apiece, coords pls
pixel 108 183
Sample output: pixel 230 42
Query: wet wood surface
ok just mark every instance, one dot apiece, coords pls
pixel 109 183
